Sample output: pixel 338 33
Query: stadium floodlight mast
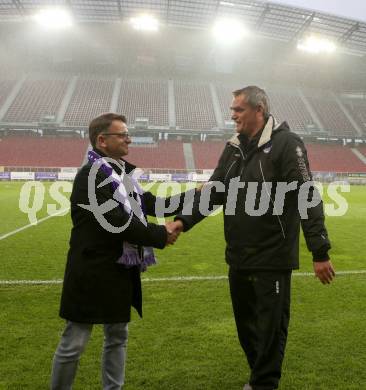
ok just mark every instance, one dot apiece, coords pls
pixel 316 45
pixel 229 31
pixel 53 18
pixel 145 23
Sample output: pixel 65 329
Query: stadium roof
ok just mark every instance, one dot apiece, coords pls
pixel 352 9
pixel 272 20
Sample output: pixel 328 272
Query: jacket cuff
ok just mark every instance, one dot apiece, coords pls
pixel 185 224
pixel 320 256
pixel 159 236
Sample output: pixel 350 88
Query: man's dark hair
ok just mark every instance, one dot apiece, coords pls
pixel 255 97
pixel 101 124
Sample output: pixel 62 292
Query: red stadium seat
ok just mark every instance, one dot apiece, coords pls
pixel 334 158
pixel 166 154
pixel 39 96
pixel 42 151
pixel 91 98
pixel 330 114
pixel 193 106
pixel 206 154
pixel 144 99
pixel 326 158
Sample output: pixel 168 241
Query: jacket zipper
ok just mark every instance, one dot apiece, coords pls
pixel 242 156
pixel 229 170
pixel 265 185
pixel 269 195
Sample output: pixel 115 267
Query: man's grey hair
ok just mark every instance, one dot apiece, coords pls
pixel 255 97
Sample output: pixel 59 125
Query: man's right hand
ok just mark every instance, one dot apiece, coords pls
pixel 324 271
pixel 173 229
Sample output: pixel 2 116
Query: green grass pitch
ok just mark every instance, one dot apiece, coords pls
pixel 187 338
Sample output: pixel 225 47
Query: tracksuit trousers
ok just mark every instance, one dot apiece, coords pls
pixel 261 305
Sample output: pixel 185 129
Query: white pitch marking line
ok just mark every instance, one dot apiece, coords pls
pixel 33 224
pixel 167 279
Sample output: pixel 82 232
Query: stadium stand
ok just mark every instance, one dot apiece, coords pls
pixel 42 151
pixel 6 86
pixel 144 99
pixel 288 106
pixel 333 158
pixel 193 106
pixel 206 154
pixel 358 112
pixel 39 96
pixel 362 149
pixel 26 151
pixel 332 117
pixel 92 96
pixel 225 96
pixel 166 154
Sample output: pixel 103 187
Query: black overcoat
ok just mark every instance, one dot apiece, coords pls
pixel 96 289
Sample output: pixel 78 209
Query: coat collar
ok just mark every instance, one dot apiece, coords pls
pixel 266 133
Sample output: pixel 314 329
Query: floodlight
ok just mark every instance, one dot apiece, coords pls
pixel 317 45
pixel 229 31
pixel 145 23
pixel 53 18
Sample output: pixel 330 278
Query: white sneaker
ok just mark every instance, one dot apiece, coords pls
pixel 247 387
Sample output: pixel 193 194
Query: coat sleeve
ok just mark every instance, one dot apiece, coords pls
pixel 135 231
pixel 295 168
pixel 213 196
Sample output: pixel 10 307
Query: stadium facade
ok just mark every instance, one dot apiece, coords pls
pixel 175 85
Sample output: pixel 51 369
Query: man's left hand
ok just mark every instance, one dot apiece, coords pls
pixel 324 271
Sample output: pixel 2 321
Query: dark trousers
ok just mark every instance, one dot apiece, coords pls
pixel 261 304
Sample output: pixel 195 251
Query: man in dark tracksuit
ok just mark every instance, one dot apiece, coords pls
pixel 263 245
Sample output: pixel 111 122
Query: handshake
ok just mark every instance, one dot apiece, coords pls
pixel 173 229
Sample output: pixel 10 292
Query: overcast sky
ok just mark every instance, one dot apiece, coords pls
pixel 353 9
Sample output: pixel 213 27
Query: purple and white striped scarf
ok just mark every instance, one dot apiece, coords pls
pixel 132 255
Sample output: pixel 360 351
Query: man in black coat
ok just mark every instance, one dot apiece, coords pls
pixel 264 164
pixel 110 244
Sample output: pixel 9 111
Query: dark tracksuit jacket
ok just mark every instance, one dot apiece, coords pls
pixel 269 241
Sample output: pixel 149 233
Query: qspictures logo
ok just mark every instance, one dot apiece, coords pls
pixel 254 198
pixel 32 199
